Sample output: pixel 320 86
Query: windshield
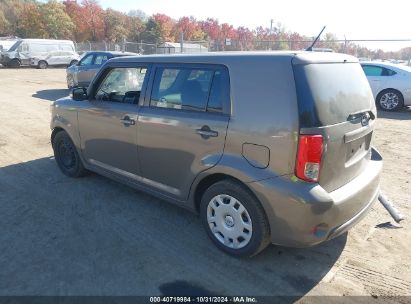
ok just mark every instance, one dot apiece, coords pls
pixel 15 46
pixel 329 93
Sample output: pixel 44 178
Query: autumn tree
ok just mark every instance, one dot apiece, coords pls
pixel 31 23
pixel 166 25
pixel 11 11
pixel 190 28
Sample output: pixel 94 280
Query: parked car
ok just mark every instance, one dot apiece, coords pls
pixel 266 147
pixel 390 84
pixel 81 73
pixel 40 53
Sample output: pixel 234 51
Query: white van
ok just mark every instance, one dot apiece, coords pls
pixel 40 53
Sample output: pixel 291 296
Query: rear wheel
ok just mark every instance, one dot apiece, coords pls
pixel 234 219
pixel 42 64
pixel 390 100
pixel 66 155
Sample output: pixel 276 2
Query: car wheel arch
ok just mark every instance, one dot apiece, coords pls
pixel 205 182
pixel 389 89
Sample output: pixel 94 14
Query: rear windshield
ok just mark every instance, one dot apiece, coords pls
pixel 329 92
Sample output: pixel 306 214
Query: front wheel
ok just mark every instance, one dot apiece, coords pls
pixel 390 100
pixel 234 219
pixel 42 65
pixel 14 64
pixel 66 155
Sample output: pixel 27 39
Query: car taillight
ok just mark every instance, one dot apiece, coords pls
pixel 308 162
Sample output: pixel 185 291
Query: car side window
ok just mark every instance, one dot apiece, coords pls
pixel 87 60
pixel 100 59
pixel 219 93
pixel 372 70
pixel 122 85
pixel 195 89
pixel 388 72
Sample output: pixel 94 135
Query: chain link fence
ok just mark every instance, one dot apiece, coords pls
pixel 364 49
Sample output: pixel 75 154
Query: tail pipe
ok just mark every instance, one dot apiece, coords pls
pixel 396 215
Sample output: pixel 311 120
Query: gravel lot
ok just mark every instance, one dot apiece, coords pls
pixel 94 236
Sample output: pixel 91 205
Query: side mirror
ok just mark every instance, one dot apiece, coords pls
pixel 79 94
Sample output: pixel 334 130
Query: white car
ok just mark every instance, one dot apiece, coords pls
pixel 390 84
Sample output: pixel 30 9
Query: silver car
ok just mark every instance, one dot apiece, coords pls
pixel 266 147
pixel 390 84
pixel 81 73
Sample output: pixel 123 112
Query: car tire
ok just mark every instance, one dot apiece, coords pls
pixel 14 64
pixel 390 100
pixel 42 65
pixel 66 155
pixel 234 219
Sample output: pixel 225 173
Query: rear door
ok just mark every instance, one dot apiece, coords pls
pixel 335 101
pixel 182 127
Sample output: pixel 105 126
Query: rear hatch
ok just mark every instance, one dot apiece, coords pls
pixel 335 101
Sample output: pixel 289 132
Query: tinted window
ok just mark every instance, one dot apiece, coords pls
pixel 122 85
pixel 372 70
pixel 87 60
pixel 100 59
pixel 388 72
pixel 194 89
pixel 329 93
pixel 219 94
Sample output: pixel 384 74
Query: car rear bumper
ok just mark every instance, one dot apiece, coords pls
pixel 304 214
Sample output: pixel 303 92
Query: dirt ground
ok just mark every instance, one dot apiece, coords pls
pixel 94 236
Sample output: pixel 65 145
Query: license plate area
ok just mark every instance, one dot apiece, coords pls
pixel 357 149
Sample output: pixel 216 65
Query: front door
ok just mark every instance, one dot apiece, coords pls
pixel 107 122
pixel 182 126
pixel 84 70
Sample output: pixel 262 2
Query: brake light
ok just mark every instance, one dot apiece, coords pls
pixel 308 162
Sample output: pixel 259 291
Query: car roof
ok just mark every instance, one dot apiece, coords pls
pixel 299 57
pixel 114 53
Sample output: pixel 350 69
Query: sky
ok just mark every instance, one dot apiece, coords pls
pixel 354 19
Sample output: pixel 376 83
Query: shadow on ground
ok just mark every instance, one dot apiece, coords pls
pixel 403 114
pixel 94 236
pixel 51 95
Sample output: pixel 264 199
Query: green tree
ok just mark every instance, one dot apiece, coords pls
pixel 152 33
pixel 115 26
pixel 57 23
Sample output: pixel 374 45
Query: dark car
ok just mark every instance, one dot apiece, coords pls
pixel 81 74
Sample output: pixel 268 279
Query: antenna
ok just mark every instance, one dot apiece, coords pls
pixel 310 48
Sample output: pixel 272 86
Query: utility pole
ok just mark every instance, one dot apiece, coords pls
pixel 271 26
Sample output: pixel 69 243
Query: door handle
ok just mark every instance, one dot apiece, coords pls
pixel 127 121
pixel 206 132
